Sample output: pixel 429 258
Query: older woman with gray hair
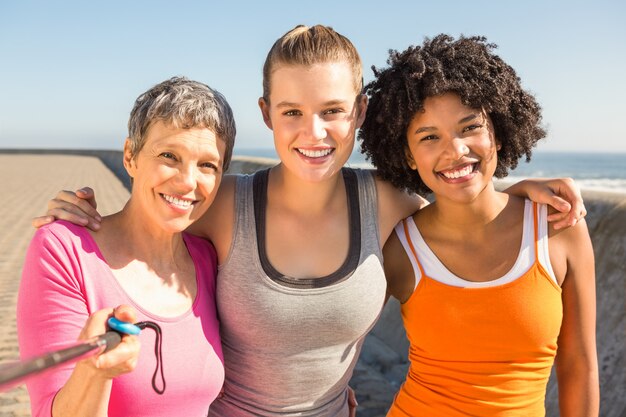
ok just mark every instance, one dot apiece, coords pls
pixel 181 136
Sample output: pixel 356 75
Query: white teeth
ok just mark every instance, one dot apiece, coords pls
pixel 315 154
pixel 460 173
pixel 176 201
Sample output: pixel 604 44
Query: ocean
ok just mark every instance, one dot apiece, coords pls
pixel 593 171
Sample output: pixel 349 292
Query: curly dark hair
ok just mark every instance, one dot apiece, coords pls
pixel 467 67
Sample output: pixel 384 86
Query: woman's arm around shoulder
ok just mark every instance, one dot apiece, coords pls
pixel 394 205
pixel 218 221
pixel 78 207
pixel 572 259
pixel 398 270
pixel 561 194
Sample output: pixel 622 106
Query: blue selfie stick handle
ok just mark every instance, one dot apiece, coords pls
pixel 123 327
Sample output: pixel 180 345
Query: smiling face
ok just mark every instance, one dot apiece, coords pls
pixel 452 147
pixel 313 112
pixel 175 175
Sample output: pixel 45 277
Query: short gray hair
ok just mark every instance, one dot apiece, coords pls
pixel 182 103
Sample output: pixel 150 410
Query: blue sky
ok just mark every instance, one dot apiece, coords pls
pixel 70 70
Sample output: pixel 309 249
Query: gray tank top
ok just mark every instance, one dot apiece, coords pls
pixel 290 345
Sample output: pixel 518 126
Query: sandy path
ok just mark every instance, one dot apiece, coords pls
pixel 28 182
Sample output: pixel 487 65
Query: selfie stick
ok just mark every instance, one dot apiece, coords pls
pixel 14 373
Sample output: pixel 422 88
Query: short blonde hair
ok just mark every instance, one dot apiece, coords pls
pixel 307 46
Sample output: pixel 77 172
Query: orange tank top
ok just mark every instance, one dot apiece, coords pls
pixel 479 351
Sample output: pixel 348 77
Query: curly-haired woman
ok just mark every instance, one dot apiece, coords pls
pixel 490 293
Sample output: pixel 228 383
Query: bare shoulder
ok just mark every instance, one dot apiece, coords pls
pixel 396 200
pixel 394 205
pixel 569 236
pixel 220 214
pixel 398 269
pixel 226 193
pixel 570 250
